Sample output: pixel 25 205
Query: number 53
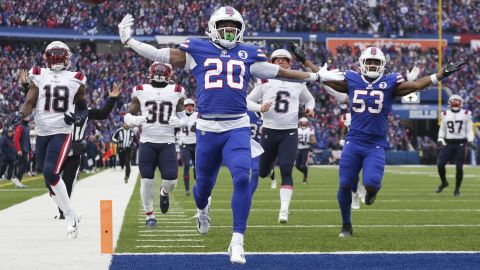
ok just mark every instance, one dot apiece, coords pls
pixel 359 105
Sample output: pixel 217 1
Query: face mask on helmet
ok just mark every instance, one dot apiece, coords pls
pixel 226 27
pixel 161 73
pixel 372 62
pixel 189 105
pixel 57 55
pixel 282 58
pixel 455 103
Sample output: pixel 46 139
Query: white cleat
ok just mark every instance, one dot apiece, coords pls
pixel 283 217
pixel 72 228
pixel 273 185
pixel 362 192
pixel 203 220
pixel 355 200
pixel 236 253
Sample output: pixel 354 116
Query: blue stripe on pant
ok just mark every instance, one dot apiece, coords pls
pixel 233 147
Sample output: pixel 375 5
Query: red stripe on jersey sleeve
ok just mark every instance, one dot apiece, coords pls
pixel 264 81
pixel 139 87
pixel 178 88
pixel 466 112
pixel 36 70
pixel 79 76
pixel 444 113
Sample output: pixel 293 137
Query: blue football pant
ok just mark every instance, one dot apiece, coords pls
pixel 356 157
pixel 233 148
pixel 254 174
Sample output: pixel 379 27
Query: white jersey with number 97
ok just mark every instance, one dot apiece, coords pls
pixel 158 104
pixel 56 92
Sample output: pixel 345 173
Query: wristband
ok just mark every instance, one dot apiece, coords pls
pixel 434 79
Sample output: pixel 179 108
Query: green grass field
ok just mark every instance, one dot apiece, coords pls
pixel 407 216
pixel 10 195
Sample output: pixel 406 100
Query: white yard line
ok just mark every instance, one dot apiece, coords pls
pixel 170 240
pixel 180 246
pixel 32 239
pixel 306 253
pixel 363 210
pixel 355 226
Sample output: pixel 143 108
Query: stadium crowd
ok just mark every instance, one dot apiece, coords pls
pixel 105 68
pixel 386 18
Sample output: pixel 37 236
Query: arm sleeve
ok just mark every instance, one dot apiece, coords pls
pixel 16 138
pixel 307 98
pixel 470 135
pixel 441 130
pixel 253 97
pixel 150 52
pixel 100 114
pixel 264 70
pixel 340 97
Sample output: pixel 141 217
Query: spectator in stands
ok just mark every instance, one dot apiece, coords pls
pixel 9 156
pixel 22 147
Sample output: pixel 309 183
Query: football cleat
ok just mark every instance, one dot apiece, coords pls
pixel 273 185
pixel 72 228
pixel 125 179
pixel 441 187
pixel 187 193
pixel 457 193
pixel 346 231
pixel 60 216
pixel 283 217
pixel 304 181
pixel 164 203
pixel 370 198
pixel 236 253
pixel 355 200
pixel 151 223
pixel 203 220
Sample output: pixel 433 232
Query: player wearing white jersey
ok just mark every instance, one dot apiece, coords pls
pixel 59 98
pixel 306 138
pixel 456 131
pixel 188 141
pixel 161 105
pixel 280 123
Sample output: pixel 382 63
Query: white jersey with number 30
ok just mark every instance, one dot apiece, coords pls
pixel 159 104
pixel 56 92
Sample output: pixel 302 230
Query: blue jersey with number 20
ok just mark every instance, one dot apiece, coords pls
pixel 370 105
pixel 222 75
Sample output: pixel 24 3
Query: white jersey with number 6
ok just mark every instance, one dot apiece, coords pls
pixel 286 97
pixel 56 91
pixel 159 104
pixel 456 126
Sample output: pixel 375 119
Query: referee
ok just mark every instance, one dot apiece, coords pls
pixel 72 163
pixel 124 137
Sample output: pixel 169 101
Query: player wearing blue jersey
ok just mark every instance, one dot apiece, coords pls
pixel 222 66
pixel 371 94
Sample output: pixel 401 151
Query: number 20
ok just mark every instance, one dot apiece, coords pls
pixel 217 71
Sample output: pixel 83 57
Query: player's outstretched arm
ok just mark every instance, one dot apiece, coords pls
pixel 175 57
pixel 407 87
pixel 100 114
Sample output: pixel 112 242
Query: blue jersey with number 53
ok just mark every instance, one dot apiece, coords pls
pixel 370 105
pixel 222 75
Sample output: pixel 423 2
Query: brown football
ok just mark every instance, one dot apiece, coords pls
pixel 93 2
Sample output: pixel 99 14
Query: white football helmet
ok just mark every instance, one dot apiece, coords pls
pixel 455 103
pixel 281 53
pixel 218 35
pixel 372 53
pixel 189 101
pixel 303 122
pixel 57 55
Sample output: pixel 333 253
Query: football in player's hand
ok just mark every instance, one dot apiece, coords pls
pixel 93 2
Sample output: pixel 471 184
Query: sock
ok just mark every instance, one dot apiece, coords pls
pixel 168 186
pixel 146 193
pixel 237 238
pixel 442 172
pixel 344 198
pixel 305 173
pixel 285 197
pixel 186 181
pixel 63 200
pixel 459 178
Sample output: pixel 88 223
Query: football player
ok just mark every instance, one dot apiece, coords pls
pixel 188 140
pixel 371 94
pixel 256 123
pixel 280 125
pixel 161 106
pixel 455 133
pixel 54 92
pixel 222 66
pixel 306 138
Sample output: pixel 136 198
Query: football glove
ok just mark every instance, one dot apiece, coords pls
pixel 134 120
pixel 412 75
pixel 16 119
pixel 124 28
pixel 298 52
pixel 174 122
pixel 441 142
pixel 330 75
pixel 71 119
pixel 451 67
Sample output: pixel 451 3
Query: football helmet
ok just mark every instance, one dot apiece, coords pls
pixel 369 70
pixel 191 102
pixel 303 122
pixel 281 53
pixel 57 55
pixel 455 103
pixel 160 72
pixel 221 35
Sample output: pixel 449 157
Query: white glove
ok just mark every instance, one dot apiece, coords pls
pixel 441 141
pixel 412 75
pixel 124 28
pixel 133 120
pixel 174 121
pixel 330 75
pixel 342 142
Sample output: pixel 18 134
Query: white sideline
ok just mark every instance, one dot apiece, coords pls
pixel 30 238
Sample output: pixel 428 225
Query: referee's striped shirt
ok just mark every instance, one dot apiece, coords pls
pixel 79 131
pixel 94 114
pixel 124 137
